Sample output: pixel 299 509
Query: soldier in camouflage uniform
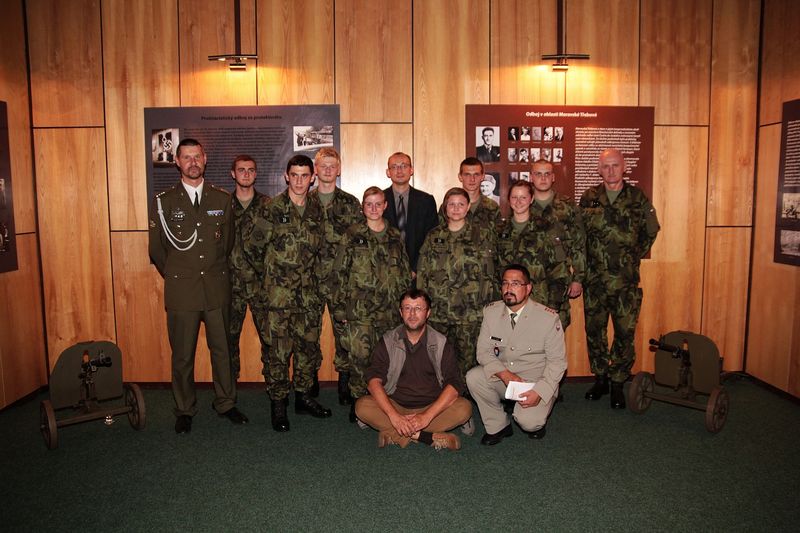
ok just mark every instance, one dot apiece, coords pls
pixel 284 244
pixel 483 211
pixel 371 271
pixel 537 244
pixel 340 210
pixel 457 269
pixel 564 226
pixel 246 201
pixel 621 226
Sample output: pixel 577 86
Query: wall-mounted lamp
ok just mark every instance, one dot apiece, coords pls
pixel 561 56
pixel 237 58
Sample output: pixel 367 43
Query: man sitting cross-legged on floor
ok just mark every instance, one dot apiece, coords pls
pixel 414 383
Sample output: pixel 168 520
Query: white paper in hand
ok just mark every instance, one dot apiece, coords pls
pixel 515 388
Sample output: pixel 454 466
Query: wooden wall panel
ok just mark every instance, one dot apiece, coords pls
pixel 734 80
pixel 296 52
pixel 66 62
pixel 451 69
pixel 672 279
pixel 365 152
pixel 207 28
pixel 611 76
pixel 14 91
pixel 74 237
pixel 780 58
pixel 772 343
pixel 577 353
pixel 373 60
pixel 727 266
pixel 140 59
pixel 523 30
pixel 676 60
pixel 139 306
pixel 22 350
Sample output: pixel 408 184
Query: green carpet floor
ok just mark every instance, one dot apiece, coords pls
pixel 597 470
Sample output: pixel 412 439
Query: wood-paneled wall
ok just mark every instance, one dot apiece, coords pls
pixel 773 342
pixel 22 340
pixel 402 72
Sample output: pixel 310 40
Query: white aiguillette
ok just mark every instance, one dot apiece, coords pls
pixel 515 388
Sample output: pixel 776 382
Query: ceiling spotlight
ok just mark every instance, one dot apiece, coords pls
pixel 561 56
pixel 237 59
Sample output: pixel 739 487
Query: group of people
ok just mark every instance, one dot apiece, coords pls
pixel 483 301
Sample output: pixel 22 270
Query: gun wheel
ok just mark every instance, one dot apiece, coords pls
pixel 48 425
pixel 717 409
pixel 638 401
pixel 135 400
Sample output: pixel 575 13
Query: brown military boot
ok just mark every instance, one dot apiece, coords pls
pixel 599 389
pixel 446 441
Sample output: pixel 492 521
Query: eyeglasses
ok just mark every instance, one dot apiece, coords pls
pixel 514 284
pixel 399 166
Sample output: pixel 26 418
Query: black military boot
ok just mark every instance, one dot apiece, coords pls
pixel 617 395
pixel 280 422
pixel 599 388
pixel 314 390
pixel 343 388
pixel 304 404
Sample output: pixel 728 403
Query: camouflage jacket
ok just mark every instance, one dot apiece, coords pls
pixel 566 225
pixel 485 215
pixel 241 271
pixel 458 272
pixel 370 273
pixel 538 246
pixel 343 211
pixel 618 235
pixel 283 246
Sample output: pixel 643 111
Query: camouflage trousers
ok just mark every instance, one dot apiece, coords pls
pixel 293 336
pixel 622 305
pixel 464 338
pixel 239 303
pixel 360 340
pixel 339 333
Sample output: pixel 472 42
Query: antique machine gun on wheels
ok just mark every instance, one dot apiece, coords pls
pixel 690 365
pixel 85 376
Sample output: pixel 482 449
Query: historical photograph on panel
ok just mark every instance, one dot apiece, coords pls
pixel 487 143
pixel 312 138
pixel 791 205
pixel 164 143
pixel 490 186
pixel 8 248
pixel 790 242
pixel 513 134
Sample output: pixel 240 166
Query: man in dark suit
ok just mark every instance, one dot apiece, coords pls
pixel 410 210
pixel 488 152
pixel 191 235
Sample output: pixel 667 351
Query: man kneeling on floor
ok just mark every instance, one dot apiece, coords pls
pixel 521 342
pixel 415 386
